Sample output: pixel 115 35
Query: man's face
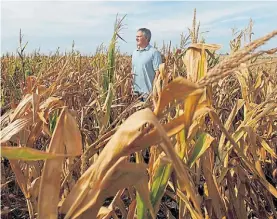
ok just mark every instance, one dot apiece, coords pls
pixel 141 40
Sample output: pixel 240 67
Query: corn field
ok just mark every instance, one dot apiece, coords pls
pixel 75 142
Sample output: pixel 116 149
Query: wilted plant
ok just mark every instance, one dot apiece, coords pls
pixel 72 137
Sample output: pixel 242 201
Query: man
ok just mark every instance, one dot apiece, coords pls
pixel 145 64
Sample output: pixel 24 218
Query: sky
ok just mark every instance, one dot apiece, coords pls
pixel 47 25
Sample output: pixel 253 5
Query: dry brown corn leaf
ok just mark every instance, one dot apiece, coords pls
pixel 51 175
pixel 178 89
pixel 213 189
pixel 162 70
pixel 15 127
pixel 267 147
pixel 35 104
pixel 234 202
pixel 239 104
pixel 35 133
pixel 198 120
pixel 195 59
pixel 22 107
pixel 241 194
pixel 259 80
pixel 71 135
pixel 172 128
pixel 50 102
pixel 119 145
pixel 121 175
pixel 65 130
pixel 20 178
pixel 245 159
pixel 210 47
pixel 34 188
pixel 251 135
pixel 190 106
pixel 191 59
pixel 124 142
pixel 132 210
pixel 41 116
pixel 103 212
pixel 241 75
pixel 194 214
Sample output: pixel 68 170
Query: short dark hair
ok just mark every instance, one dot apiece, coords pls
pixel 146 32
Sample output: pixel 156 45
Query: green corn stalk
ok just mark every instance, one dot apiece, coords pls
pixel 109 74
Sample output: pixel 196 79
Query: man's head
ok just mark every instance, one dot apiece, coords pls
pixel 143 37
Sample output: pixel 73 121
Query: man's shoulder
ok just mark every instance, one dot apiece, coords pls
pixel 155 51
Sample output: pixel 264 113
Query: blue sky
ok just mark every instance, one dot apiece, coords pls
pixel 51 24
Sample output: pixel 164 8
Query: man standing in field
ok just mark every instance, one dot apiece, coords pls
pixel 145 64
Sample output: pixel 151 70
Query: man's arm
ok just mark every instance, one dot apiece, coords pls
pixel 157 60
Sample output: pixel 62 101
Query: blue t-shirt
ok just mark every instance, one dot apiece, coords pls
pixel 144 64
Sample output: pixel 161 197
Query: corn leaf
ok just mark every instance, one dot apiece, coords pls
pixel 203 142
pixel 25 153
pixel 14 128
pixel 160 179
pixel 178 89
pixel 50 186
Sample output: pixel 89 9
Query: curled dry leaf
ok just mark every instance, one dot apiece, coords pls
pixel 178 89
pixel 22 107
pixel 121 144
pixel 15 127
pixel 66 134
